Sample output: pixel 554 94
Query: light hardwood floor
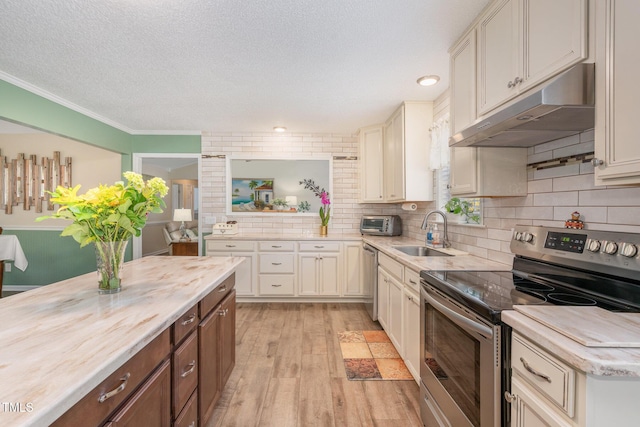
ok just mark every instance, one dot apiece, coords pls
pixel 289 372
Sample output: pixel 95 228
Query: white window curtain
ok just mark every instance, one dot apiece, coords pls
pixel 440 144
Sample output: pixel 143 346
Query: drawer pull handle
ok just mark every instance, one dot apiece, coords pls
pixel 223 312
pixel 276 286
pixel 191 319
pixel 116 390
pixel 319 246
pixel 276 263
pixel 533 371
pixel 412 282
pixel 230 246
pixel 276 246
pixel 223 289
pixel 193 424
pixel 192 367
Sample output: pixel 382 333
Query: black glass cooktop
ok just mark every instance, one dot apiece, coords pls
pixel 489 292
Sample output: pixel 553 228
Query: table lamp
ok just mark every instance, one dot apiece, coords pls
pixel 292 201
pixel 182 215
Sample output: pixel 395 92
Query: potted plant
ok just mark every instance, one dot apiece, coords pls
pixel 280 204
pixel 457 206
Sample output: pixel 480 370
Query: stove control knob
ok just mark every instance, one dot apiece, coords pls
pixel 527 237
pixel 517 236
pixel 610 248
pixel 629 250
pixel 593 245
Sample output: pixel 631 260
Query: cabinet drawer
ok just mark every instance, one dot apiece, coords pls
pixel 412 279
pixel 276 284
pixel 276 263
pixel 319 247
pixel 276 246
pixel 185 324
pixel 230 245
pixel 214 297
pixel 544 372
pixel 189 415
pixel 90 411
pixel 392 266
pixel 185 372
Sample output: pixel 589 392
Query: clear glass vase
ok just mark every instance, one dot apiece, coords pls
pixel 109 260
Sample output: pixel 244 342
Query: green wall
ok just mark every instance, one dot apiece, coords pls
pixel 53 258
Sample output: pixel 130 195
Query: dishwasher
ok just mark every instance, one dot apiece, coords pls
pixel 370 273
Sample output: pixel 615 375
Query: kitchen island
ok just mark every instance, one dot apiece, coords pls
pixel 61 341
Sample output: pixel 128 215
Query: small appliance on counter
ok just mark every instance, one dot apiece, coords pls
pixel 230 227
pixel 381 225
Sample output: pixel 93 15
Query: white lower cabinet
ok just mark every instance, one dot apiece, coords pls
pixel 295 268
pixel 411 330
pixel 529 410
pixel 246 277
pixel 319 274
pixel 399 309
pixel 383 298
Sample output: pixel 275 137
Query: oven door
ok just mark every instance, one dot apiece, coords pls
pixel 460 364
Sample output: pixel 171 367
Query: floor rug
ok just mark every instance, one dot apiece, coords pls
pixel 370 355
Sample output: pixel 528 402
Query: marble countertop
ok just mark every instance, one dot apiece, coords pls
pixel 459 261
pixel 284 236
pixel 60 341
pixel 602 361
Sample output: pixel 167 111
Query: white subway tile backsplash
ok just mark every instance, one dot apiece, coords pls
pixel 540 186
pixel 589 214
pixel 575 182
pixel 558 143
pixel 564 198
pixel 629 215
pixel 535 213
pixel 611 197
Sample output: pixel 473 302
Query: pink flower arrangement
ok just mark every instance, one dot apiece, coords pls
pixel 325 210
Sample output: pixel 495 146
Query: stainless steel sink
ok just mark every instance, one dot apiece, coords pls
pixel 419 251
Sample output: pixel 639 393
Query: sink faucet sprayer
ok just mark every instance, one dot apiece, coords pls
pixel 425 224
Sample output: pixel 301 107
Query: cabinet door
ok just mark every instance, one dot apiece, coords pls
pixel 498 55
pixel 227 342
pixel 463 172
pixel 529 410
pixel 383 298
pixel 411 329
pixel 209 370
pixel 308 278
pixel 150 405
pixel 463 83
pixel 353 275
pixel 371 164
pixel 617 92
pixel 394 157
pixel 246 276
pixel 329 278
pixel 555 37
pixel 395 314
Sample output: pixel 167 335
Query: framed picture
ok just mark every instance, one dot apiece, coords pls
pixel 251 194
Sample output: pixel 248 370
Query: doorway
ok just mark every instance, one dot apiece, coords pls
pixel 181 171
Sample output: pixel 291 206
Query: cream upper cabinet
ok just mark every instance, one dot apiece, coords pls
pixel 394 155
pixel 488 171
pixel 463 77
pixel 498 51
pixel 521 43
pixel 371 164
pixel 400 169
pixel 617 93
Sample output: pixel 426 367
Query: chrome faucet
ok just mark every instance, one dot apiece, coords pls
pixel 425 224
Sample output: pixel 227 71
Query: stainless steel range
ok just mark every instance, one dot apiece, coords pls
pixel 465 347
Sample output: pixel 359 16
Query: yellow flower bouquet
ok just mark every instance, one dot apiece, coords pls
pixel 109 216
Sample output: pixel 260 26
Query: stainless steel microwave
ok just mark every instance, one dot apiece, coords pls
pixel 381 225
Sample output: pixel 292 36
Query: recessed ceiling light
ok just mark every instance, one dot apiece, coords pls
pixel 279 129
pixel 428 80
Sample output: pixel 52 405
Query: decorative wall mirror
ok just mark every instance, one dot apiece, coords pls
pixel 268 186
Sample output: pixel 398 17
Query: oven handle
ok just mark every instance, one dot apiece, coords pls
pixel 459 319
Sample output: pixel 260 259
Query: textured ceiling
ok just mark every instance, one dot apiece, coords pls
pixel 179 66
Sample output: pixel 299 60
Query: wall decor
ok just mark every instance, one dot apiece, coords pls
pixel 251 194
pixel 25 181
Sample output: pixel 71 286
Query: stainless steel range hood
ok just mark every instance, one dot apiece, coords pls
pixel 561 107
